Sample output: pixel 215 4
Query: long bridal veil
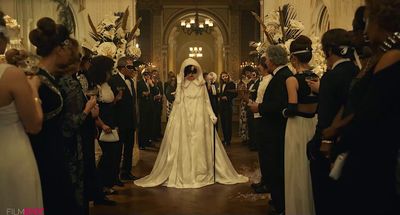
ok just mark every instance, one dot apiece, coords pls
pixel 186 156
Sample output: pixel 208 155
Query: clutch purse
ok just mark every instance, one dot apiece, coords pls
pixel 336 170
pixel 110 137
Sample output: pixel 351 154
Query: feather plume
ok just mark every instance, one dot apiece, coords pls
pixel 94 33
pixel 132 33
pixel 269 37
pixel 125 18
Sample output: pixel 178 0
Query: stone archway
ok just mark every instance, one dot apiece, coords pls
pixel 215 45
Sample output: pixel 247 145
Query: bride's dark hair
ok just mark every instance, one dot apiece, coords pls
pixel 190 69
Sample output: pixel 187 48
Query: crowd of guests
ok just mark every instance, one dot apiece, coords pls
pixel 325 145
pixel 329 145
pixel 70 102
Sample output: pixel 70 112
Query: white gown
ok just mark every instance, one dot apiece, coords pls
pixel 298 188
pixel 19 176
pixel 186 156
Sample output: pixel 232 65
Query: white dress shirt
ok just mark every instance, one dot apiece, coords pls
pixel 127 82
pixel 261 90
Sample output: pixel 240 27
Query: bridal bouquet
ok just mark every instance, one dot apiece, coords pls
pixel 112 38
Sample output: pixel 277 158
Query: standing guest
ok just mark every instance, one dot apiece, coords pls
pixel 243 95
pixel 157 104
pixel 170 88
pixel 20 112
pixel 275 99
pixel 333 93
pixel 212 88
pixel 228 93
pixel 125 113
pixel 108 166
pixel 146 109
pixel 252 86
pixel 54 45
pixel 372 135
pixel 264 184
pixel 300 128
pixel 82 74
pixel 76 111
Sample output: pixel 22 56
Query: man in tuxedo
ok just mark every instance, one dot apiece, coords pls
pixel 212 89
pixel 333 92
pixel 125 112
pixel 146 91
pixel 252 87
pixel 275 99
pixel 157 104
pixel 228 93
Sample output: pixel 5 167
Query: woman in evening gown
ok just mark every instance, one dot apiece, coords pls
pixel 186 157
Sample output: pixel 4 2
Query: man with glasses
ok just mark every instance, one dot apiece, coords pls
pixel 125 112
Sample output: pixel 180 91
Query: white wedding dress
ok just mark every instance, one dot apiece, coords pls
pixel 19 176
pixel 186 156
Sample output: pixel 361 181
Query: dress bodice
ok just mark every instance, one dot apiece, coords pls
pixel 8 113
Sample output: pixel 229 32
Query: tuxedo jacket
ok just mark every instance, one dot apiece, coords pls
pixel 230 92
pixel 145 102
pixel 274 101
pixel 124 109
pixel 253 92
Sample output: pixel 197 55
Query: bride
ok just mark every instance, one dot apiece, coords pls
pixel 186 156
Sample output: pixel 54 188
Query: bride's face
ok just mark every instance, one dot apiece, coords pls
pixel 191 76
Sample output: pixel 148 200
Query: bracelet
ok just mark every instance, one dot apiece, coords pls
pixel 38 100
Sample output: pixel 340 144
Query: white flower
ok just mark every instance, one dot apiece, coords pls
pixel 120 33
pixel 262 47
pixel 107 49
pixel 295 24
pixel 272 18
pixel 10 22
pixel 109 34
pixel 133 51
pixel 277 37
pixel 123 41
pixel 108 22
pixel 137 32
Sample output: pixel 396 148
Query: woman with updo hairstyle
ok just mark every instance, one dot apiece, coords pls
pixel 372 136
pixel 58 51
pixel 300 127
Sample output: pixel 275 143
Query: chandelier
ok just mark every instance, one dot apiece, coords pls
pixel 196 25
pixel 195 52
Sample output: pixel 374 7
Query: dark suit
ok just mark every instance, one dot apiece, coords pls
pixel 158 105
pixel 250 116
pixel 333 93
pixel 146 113
pixel 226 109
pixel 274 124
pixel 213 98
pixel 125 118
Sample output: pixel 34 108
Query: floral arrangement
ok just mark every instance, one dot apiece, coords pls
pixel 13 29
pixel 112 38
pixel 281 28
pixel 318 61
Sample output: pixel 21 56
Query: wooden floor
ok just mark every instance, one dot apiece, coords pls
pixel 214 199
